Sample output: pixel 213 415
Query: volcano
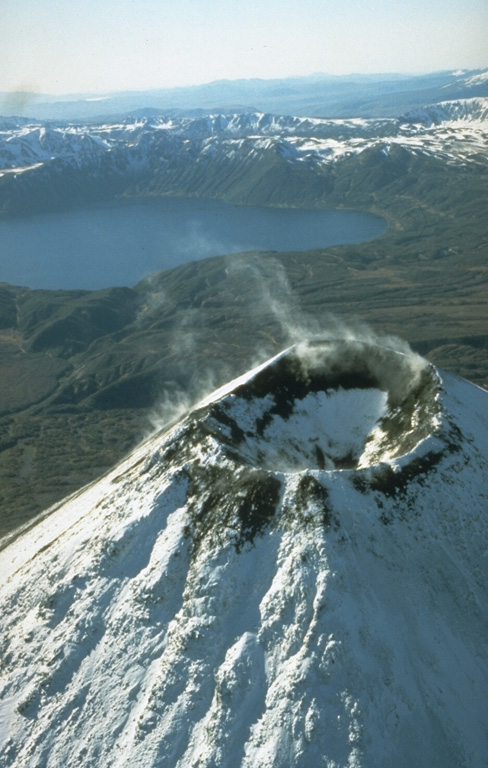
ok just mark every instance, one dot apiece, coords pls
pixel 293 574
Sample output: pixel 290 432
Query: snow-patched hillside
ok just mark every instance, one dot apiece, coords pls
pixel 294 574
pixel 474 111
pixel 140 142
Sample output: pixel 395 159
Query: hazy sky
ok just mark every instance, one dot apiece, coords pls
pixel 63 46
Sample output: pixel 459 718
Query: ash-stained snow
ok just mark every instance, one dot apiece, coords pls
pixel 201 607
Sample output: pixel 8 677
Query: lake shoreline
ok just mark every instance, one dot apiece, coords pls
pixel 120 241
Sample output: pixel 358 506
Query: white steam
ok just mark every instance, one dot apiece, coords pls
pixel 261 285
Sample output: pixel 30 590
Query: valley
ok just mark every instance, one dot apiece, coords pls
pixel 84 375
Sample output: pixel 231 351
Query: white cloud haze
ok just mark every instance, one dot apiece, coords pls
pixel 54 47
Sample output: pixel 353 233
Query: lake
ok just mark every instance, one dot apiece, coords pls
pixel 119 243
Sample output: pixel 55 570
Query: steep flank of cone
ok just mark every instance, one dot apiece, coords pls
pixel 220 599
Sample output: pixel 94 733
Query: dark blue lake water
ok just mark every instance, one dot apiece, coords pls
pixel 121 242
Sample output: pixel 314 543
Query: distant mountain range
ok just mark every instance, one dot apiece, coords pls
pixel 245 158
pixel 315 96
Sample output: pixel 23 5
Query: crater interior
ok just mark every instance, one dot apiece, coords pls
pixel 327 406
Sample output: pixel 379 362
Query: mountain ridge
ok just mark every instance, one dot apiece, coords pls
pixel 253 158
pixel 315 96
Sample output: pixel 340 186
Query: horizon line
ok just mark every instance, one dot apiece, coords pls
pixel 97 95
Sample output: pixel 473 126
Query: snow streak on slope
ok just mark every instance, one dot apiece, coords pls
pixel 138 143
pixel 293 575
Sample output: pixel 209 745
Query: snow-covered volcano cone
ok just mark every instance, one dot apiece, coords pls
pixel 293 575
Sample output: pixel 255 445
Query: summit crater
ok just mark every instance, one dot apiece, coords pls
pixel 329 405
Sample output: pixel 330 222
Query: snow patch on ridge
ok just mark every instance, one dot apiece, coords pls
pixel 241 138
